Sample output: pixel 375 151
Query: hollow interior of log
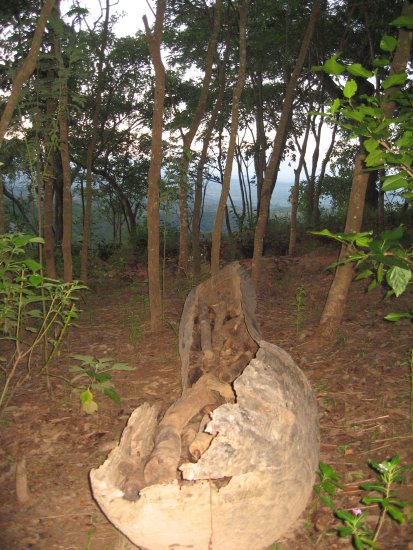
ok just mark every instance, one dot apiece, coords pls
pixel 220 348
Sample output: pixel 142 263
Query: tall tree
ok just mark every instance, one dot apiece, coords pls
pixel 236 97
pixel 92 145
pixel 63 121
pixel 278 146
pixel 334 308
pixel 26 69
pixel 154 39
pixel 189 137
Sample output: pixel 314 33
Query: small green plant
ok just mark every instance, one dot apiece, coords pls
pixel 299 306
pixel 328 485
pixel 389 473
pixel 355 528
pixel 96 373
pixel 35 313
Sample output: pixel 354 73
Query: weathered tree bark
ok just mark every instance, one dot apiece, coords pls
pixel 91 148
pixel 333 312
pixel 154 39
pixel 188 139
pixel 27 68
pixel 294 199
pixel 216 235
pixel 278 146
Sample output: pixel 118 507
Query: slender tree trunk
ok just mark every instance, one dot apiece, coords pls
pixel 335 305
pixel 63 118
pixel 321 175
pixel 278 146
pixel 216 235
pixel 337 297
pixel 311 189
pixel 91 148
pixel 50 171
pixel 188 139
pixel 26 69
pixel 261 142
pixel 196 216
pixel 154 39
pixel 296 189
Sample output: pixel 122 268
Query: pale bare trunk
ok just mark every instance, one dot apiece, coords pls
pixel 278 146
pixel 216 235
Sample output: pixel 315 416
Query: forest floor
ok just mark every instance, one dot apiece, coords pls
pixel 363 389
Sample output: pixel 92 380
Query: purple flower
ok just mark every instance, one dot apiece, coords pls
pixel 356 511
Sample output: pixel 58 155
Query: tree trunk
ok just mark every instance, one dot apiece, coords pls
pixel 261 142
pixel 154 43
pixel 196 217
pixel 65 158
pixel 91 148
pixel 188 139
pixel 334 308
pixel 295 194
pixel 27 68
pixel 278 146
pixel 216 235
pixel 321 175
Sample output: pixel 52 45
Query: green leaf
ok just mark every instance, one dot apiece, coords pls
pixel 388 43
pixel 397 316
pixel 395 513
pixel 358 70
pixel 398 279
pixel 90 408
pixel 350 88
pixel 112 394
pixel 88 359
pixel 327 501
pixel 331 66
pixel 86 397
pixel 394 80
pixel 32 265
pixel 364 274
pixel 403 21
pixel 375 158
pixel 397 181
pixel 381 62
pixel 122 366
pixel 36 280
pixel 371 144
pixel 99 376
pixel 335 106
pixel 393 234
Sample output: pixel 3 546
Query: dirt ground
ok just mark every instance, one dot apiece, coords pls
pixel 363 388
